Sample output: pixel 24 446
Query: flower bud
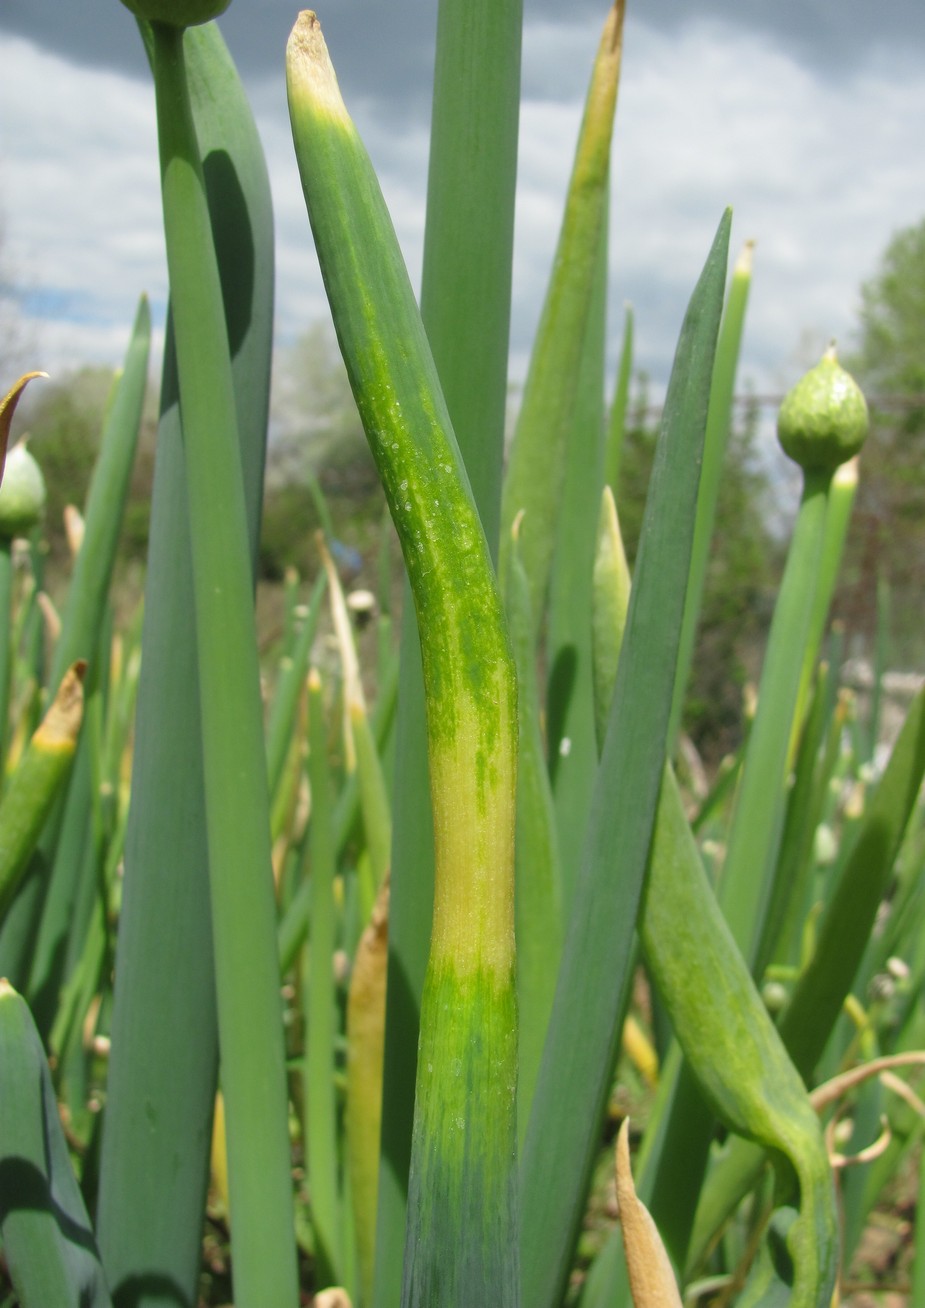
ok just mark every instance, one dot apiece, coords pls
pixel 177 13
pixel 22 494
pixel 823 421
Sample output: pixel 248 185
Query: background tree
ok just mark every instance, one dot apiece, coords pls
pixel 315 435
pixel 63 421
pixel 314 423
pixel 888 535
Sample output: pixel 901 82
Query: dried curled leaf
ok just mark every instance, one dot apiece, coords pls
pixel 831 1091
pixel 651 1276
pixel 8 408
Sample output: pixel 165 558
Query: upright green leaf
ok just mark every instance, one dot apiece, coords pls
pixel 234 764
pixel 82 619
pixel 320 1098
pixel 719 425
pixel 570 728
pixel 464 1139
pixel 31 943
pixel 538 889
pixel 363 1112
pixel 47 1237
pixel 465 305
pixel 164 1008
pixel 849 916
pixel 574 1079
pixel 537 461
pixel 616 426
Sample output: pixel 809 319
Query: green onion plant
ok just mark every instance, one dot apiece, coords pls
pixel 331 967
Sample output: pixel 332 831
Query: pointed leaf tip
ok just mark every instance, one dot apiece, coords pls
pixel 651 1277
pixel 8 408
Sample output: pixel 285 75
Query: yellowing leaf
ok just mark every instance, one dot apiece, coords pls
pixel 652 1279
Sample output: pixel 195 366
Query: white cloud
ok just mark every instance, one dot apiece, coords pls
pixel 819 173
pixel 78 159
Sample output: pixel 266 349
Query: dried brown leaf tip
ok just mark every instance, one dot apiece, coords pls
pixel 8 408
pixel 61 724
pixel 333 1298
pixel 651 1276
pixel 310 73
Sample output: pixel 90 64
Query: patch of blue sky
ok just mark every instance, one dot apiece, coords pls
pixel 61 304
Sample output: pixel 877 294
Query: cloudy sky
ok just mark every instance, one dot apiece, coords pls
pixel 805 115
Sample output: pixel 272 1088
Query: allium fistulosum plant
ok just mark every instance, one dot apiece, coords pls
pixel 378 960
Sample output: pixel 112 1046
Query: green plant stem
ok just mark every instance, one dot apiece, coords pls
pixel 758 818
pixel 321 1108
pixel 237 808
pixel 719 425
pixel 791 896
pixel 837 521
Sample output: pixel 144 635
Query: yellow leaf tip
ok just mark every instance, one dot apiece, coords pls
pixel 745 261
pixel 335 1297
pixel 309 70
pixel 61 724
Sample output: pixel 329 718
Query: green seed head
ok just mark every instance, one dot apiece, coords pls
pixel 177 13
pixel 823 421
pixel 22 494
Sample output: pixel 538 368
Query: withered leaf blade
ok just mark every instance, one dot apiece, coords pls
pixel 651 1276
